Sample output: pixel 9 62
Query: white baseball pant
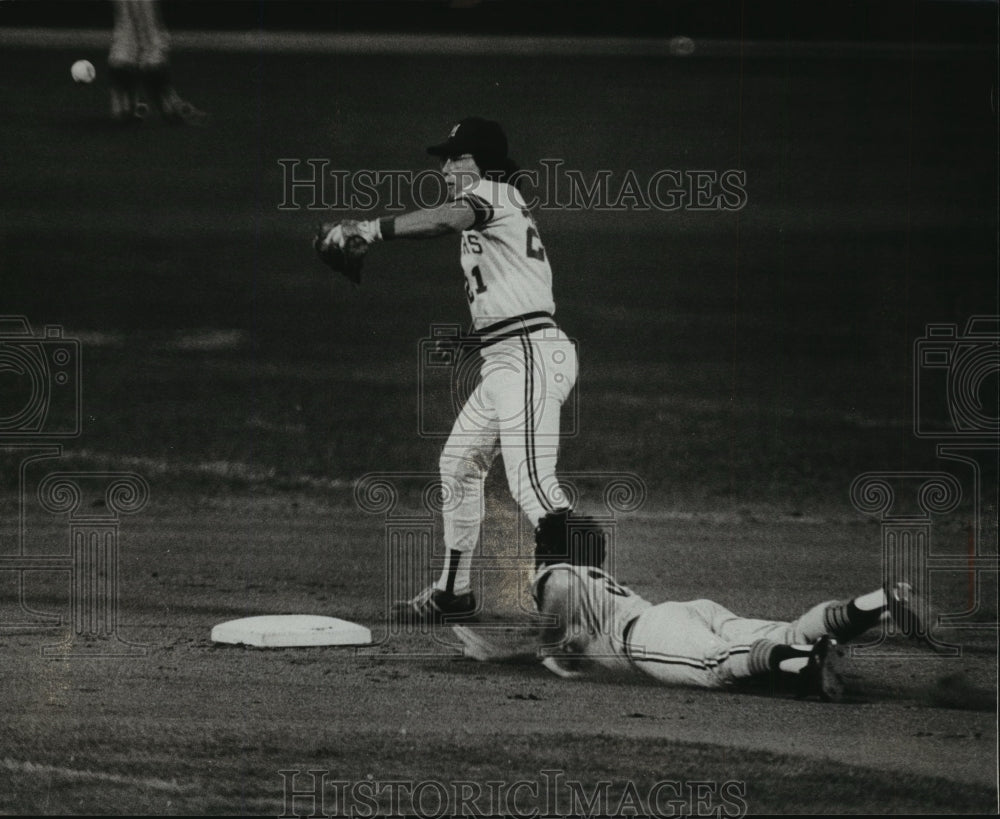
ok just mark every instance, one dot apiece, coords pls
pixel 139 38
pixel 514 410
pixel 700 642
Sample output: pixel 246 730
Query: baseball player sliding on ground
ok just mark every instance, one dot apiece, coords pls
pixel 592 620
pixel 528 366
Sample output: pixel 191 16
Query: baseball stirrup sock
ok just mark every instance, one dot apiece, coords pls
pixel 456 577
pixel 847 620
pixel 754 661
pixel 765 656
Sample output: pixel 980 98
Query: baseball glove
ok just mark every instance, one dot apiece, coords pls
pixel 343 253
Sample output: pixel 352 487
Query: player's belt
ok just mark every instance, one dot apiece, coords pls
pixel 516 326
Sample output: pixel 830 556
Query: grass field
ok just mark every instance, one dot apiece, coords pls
pixel 744 365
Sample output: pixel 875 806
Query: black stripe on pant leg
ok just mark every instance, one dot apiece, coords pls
pixel 529 424
pixel 681 661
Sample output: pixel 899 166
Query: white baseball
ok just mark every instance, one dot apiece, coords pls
pixel 83 71
pixel 681 46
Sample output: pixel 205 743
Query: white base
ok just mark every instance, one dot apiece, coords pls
pixel 291 630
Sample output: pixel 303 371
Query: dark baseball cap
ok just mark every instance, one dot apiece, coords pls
pixel 482 138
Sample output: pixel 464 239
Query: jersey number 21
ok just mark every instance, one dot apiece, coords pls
pixel 533 250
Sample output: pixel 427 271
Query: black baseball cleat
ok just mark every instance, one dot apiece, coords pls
pixel 182 112
pixel 435 606
pixel 126 106
pixel 822 677
pixel 910 612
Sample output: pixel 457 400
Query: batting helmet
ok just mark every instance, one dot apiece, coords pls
pixel 562 537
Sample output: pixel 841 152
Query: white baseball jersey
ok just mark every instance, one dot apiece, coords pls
pixel 597 612
pixel 506 268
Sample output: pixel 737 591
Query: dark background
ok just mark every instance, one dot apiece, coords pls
pixel 745 366
pixel 764 354
pixel 733 360
pixel 957 21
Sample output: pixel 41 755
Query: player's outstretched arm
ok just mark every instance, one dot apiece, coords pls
pixel 561 653
pixel 426 223
pixel 451 217
pixel 342 245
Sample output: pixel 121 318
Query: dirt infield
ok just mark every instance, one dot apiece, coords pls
pixel 742 366
pixel 186 725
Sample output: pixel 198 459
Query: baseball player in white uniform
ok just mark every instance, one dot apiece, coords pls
pixel 528 366
pixel 139 62
pixel 594 619
pixel 591 620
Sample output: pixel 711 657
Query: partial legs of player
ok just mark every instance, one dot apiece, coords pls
pixel 465 461
pixel 515 409
pixel 123 65
pixel 528 399
pixel 701 642
pixel 139 65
